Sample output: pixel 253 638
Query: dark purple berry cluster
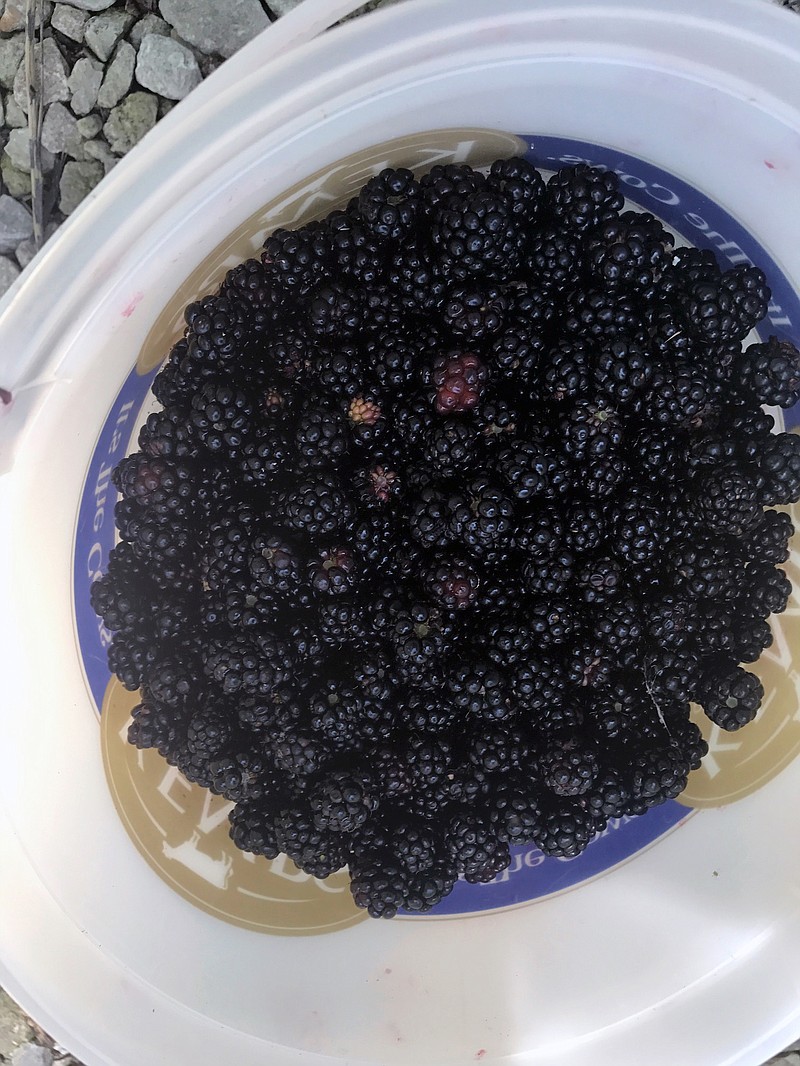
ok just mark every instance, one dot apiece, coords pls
pixel 455 502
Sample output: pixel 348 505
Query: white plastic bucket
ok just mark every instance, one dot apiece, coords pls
pixel 686 953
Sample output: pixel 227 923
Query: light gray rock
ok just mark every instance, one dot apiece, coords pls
pixel 60 130
pixel 17 184
pixel 9 272
pixel 69 20
pixel 282 7
pixel 31 1054
pixel 103 32
pixel 146 27
pixel 77 181
pixel 119 75
pixel 13 17
pixel 18 150
pixel 100 151
pixel 16 223
pixel 130 121
pixel 84 85
pixel 15 116
pixel 12 49
pixel 90 5
pixel 54 81
pixel 2 112
pixel 14 1026
pixel 211 26
pixel 166 67
pixel 90 126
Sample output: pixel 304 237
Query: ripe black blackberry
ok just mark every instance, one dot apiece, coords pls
pixel 569 764
pixel 520 185
pixel 598 579
pixel 417 278
pixel 580 197
pixel 728 500
pixel 599 316
pixel 445 180
pixel 771 372
pixel 656 773
pixel 619 624
pixel 249 282
pixel 768 541
pixel 517 352
pixel 622 371
pixel 220 417
pixel 541 535
pixel 728 307
pixel 335 311
pixel 319 504
pixel 421 634
pixel 553 259
pixel 566 370
pixel 154 725
pixel 253 829
pixel 549 577
pixel 428 888
pixel 477 234
pixel 390 204
pixel 450 446
pixel 297 260
pixel 453 582
pixel 314 851
pixel 252 664
pixel 514 808
pixel 379 887
pixel 677 395
pixel 590 430
pixel 658 456
pixel 474 312
pixel 564 829
pixel 358 254
pixel 483 519
pixel 479 688
pixel 552 620
pixel 168 433
pixel 242 776
pixel 702 571
pixel 475 849
pixel 766 590
pixel 320 437
pixel 218 325
pixel 628 252
pixel 497 748
pixel 779 465
pixel 538 681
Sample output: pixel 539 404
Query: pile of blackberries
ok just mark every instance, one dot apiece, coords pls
pixel 456 501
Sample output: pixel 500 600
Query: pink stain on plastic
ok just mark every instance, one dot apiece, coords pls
pixel 480 1053
pixel 767 163
pixel 128 311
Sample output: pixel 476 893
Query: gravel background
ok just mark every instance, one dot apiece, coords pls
pixel 108 72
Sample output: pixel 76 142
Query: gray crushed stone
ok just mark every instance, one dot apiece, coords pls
pixel 130 121
pixel 84 85
pixel 32 1055
pixel 14 14
pixel 166 67
pixel 15 116
pixel 119 75
pixel 12 49
pixel 70 21
pixel 17 182
pixel 77 181
pixel 60 130
pixel 54 81
pixel 103 32
pixel 146 27
pixel 18 150
pixel 211 26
